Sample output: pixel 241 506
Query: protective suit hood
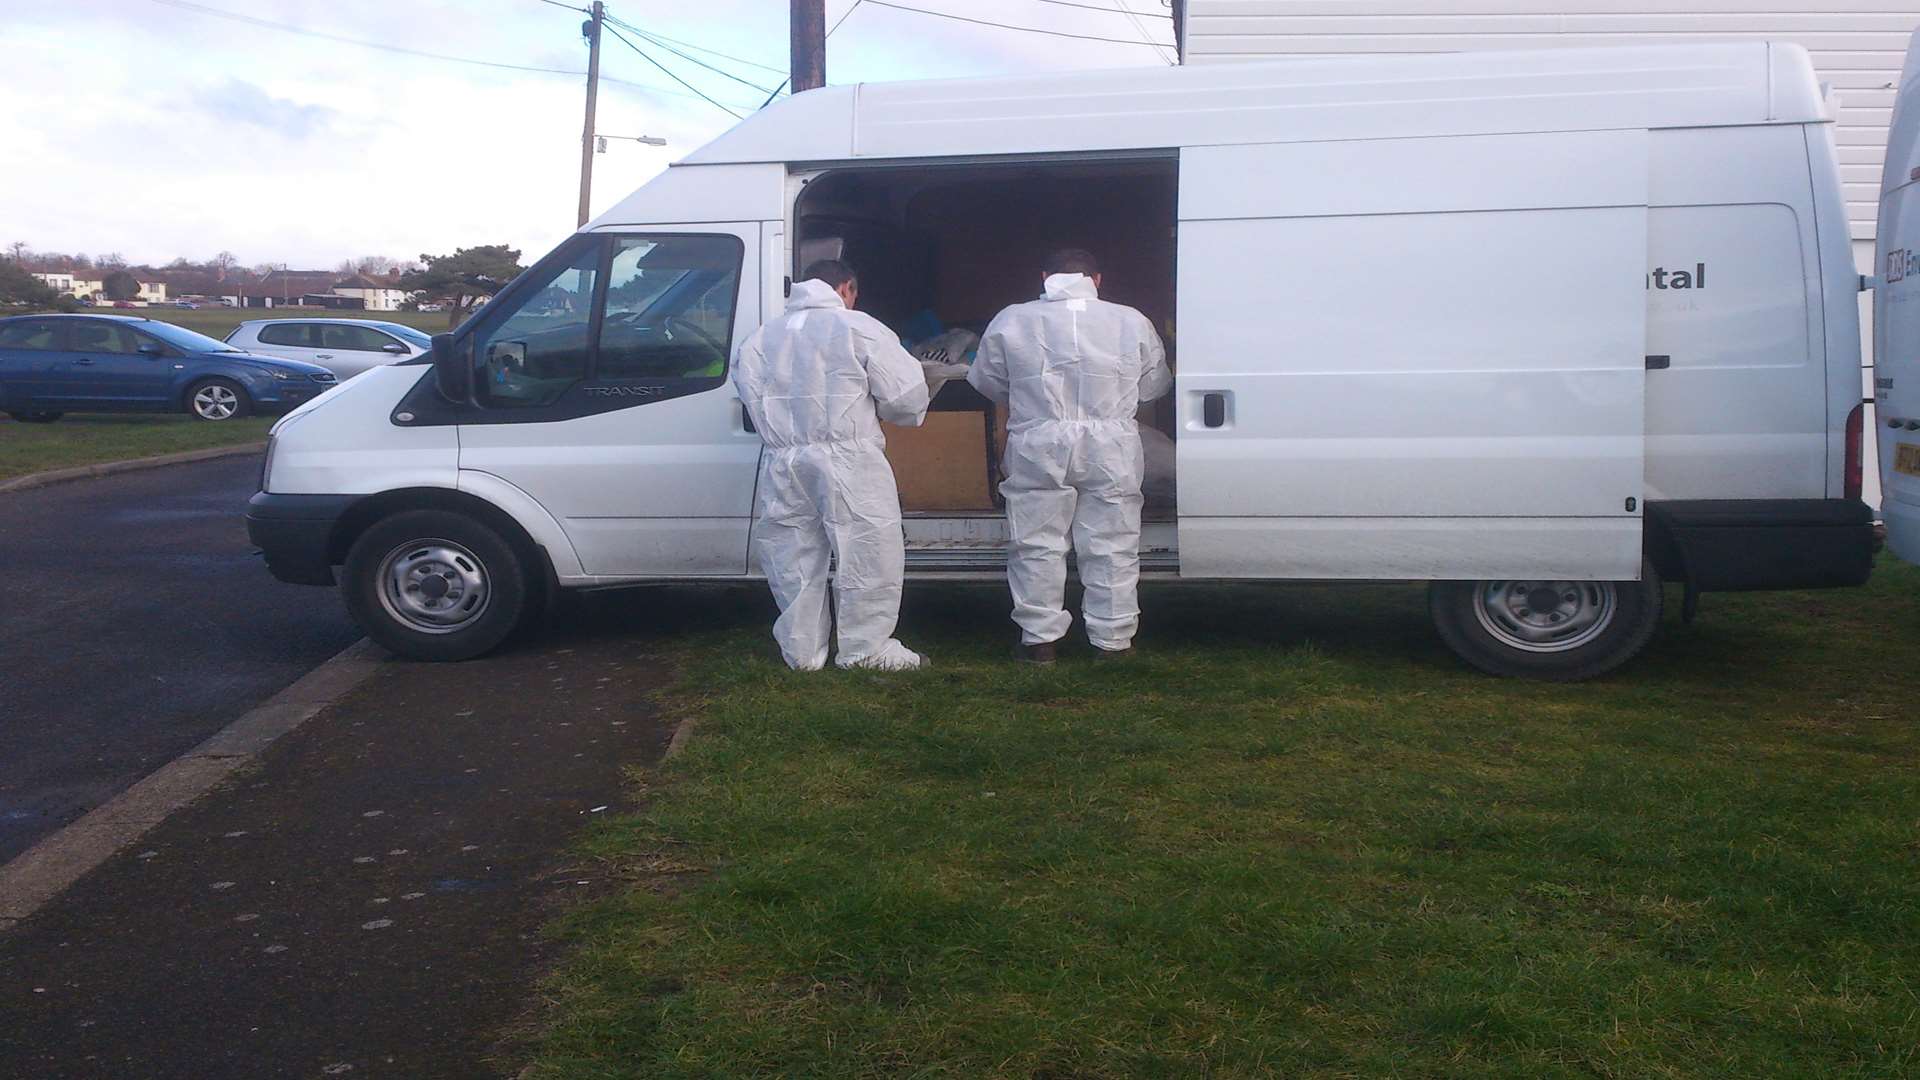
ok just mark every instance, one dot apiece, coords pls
pixel 1070 287
pixel 813 293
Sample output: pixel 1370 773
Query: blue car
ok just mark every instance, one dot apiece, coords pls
pixel 51 365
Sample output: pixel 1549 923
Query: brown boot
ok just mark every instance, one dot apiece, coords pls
pixel 1101 655
pixel 1042 653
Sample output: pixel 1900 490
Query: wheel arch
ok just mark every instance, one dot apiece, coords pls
pixel 364 513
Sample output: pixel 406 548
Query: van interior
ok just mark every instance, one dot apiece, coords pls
pixel 945 248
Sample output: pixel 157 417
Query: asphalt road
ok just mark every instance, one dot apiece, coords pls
pixel 134 622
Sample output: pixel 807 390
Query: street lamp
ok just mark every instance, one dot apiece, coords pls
pixel 600 141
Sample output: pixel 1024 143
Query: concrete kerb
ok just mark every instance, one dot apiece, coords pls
pixel 46 869
pixel 110 468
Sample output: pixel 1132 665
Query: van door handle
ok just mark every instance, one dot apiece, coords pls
pixel 1213 409
pixel 746 418
pixel 1659 363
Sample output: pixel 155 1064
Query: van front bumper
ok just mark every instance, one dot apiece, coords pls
pixel 295 533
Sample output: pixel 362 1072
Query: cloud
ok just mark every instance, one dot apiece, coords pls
pixel 241 102
pixel 305 148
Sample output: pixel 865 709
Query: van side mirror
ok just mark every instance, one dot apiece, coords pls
pixel 451 371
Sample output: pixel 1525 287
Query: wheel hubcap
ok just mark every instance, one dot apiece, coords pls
pixel 1545 616
pixel 215 402
pixel 433 586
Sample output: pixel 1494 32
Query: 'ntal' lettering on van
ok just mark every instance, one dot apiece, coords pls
pixel 1662 278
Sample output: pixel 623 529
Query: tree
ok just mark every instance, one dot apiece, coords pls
pixel 19 287
pixel 466 276
pixel 112 260
pixel 120 285
pixel 17 251
pixel 223 264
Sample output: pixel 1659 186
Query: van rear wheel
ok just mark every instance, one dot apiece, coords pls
pixel 435 585
pixel 1562 631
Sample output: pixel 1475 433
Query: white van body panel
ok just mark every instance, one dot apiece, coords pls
pixel 1456 409
pixel 529 514
pixel 1741 412
pixel 344 442
pixel 1896 320
pixel 1366 97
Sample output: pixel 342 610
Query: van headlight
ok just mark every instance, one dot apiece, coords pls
pixel 266 463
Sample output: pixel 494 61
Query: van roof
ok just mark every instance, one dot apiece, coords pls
pixel 1299 100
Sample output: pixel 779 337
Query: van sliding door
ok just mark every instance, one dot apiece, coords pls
pixel 1413 358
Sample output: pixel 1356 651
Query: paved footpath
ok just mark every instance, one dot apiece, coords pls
pixel 368 900
pixel 134 622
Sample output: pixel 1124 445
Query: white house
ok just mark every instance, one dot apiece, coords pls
pixel 1858 47
pixel 375 295
pixel 81 287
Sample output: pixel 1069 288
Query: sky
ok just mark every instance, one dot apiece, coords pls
pixel 154 129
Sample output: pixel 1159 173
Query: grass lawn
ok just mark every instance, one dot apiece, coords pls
pixel 1294 838
pixel 91 438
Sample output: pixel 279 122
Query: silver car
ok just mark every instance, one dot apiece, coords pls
pixel 345 347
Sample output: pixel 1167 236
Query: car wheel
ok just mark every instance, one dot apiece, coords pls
pixel 1562 631
pixel 218 399
pixel 435 585
pixel 36 417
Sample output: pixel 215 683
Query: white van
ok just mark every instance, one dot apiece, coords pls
pixel 1544 329
pixel 1896 319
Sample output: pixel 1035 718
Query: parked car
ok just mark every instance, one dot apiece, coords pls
pixel 1543 331
pixel 345 347
pixel 51 365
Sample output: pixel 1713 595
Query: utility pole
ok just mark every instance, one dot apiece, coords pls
pixel 591 30
pixel 808 27
pixel 1180 29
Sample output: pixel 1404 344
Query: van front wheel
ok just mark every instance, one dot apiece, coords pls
pixel 434 585
pixel 1562 631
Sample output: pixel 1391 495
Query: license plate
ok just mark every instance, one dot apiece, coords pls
pixel 1906 459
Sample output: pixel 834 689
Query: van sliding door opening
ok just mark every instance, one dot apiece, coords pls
pixel 941 249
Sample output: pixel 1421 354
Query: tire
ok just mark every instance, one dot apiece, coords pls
pixel 435 585
pixel 1592 628
pixel 36 416
pixel 216 400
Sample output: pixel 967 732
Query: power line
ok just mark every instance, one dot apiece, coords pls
pixel 698 48
pixel 569 7
pixel 643 55
pixel 844 16
pixel 1142 28
pixel 287 28
pixel 689 59
pixel 1085 7
pixel 1010 26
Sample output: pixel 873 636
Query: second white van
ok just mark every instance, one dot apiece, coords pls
pixel 1546 330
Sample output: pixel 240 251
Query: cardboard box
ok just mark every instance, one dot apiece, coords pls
pixel 942 464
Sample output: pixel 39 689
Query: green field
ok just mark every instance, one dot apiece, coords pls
pixel 1295 837
pixel 93 438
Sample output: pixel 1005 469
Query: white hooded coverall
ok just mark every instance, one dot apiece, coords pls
pixel 816 381
pixel 1072 369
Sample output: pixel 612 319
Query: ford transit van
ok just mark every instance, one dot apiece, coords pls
pixel 1545 330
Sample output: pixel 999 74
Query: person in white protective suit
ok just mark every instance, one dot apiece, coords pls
pixel 816 382
pixel 1072 369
